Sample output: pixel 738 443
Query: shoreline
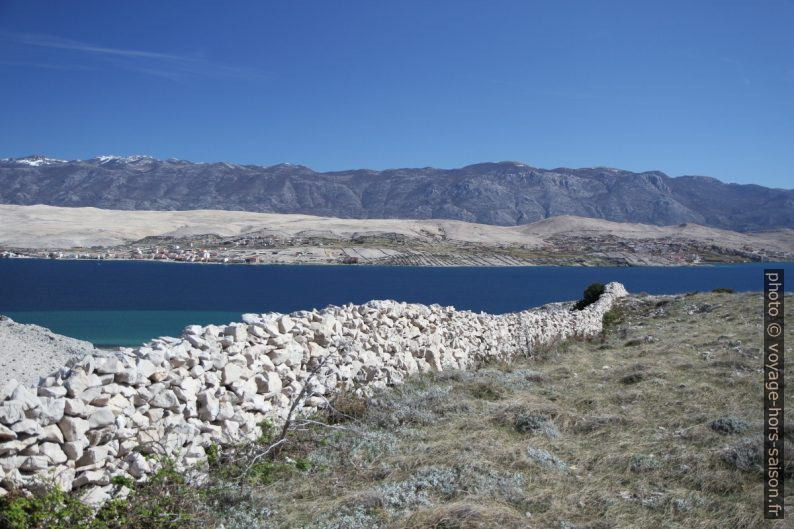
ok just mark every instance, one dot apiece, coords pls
pixel 393 265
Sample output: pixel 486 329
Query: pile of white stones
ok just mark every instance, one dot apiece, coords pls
pixel 101 416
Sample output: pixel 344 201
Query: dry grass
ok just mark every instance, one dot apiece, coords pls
pixel 615 432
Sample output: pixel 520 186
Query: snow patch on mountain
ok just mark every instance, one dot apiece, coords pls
pixel 126 159
pixel 36 160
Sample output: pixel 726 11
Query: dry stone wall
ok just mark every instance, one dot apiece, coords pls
pixel 101 416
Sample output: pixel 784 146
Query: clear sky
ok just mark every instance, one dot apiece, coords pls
pixel 686 87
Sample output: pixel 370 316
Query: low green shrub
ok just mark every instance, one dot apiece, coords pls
pixel 612 317
pixel 213 455
pixel 165 501
pixel 590 296
pixel 303 464
pixel 54 509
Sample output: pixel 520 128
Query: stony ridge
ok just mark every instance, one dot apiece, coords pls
pixel 28 350
pixel 100 416
pixel 505 193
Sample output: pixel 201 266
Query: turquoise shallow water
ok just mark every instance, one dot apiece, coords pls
pixel 128 302
pixel 107 328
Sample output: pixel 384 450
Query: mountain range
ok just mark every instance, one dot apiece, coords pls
pixel 502 193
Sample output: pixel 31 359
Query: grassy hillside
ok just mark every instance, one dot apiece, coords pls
pixel 655 425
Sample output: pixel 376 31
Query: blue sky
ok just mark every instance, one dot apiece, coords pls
pixel 702 87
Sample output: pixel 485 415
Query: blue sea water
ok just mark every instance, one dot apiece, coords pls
pixel 128 302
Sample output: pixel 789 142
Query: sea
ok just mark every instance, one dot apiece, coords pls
pixel 113 303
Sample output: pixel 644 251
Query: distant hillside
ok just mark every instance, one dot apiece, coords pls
pixel 58 227
pixel 505 193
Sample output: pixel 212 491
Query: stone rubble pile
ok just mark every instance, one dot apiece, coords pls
pixel 102 416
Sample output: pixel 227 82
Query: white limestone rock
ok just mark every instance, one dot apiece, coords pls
pixel 16 446
pixel 7 434
pixel 166 399
pixel 76 408
pixel 100 418
pixel 7 389
pixel 11 462
pixel 51 433
pixel 79 382
pixel 268 382
pixel 51 410
pixel 54 452
pixel 26 427
pixel 225 411
pixel 209 406
pixel 285 324
pixel 73 428
pixel 109 366
pixel 231 373
pixel 26 397
pixel 51 391
pixel 35 463
pixel 95 455
pixel 238 333
pixel 11 412
pixel 145 368
pixel 138 465
pixel 96 496
pixel 74 449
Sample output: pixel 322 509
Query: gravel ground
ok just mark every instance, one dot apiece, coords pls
pixel 29 351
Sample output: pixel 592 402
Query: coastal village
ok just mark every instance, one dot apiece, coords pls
pixel 392 249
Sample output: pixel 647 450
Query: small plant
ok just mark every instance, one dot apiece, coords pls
pixel 167 474
pixel 487 391
pixel 532 423
pixel 303 464
pixel 122 481
pixel 266 472
pixel 546 458
pixel 722 290
pixel 268 432
pixel 590 296
pixel 644 463
pixel 729 425
pixel 345 407
pixel 213 455
pixel 632 378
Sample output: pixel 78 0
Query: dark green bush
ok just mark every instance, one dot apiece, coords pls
pixel 591 295
pixel 722 290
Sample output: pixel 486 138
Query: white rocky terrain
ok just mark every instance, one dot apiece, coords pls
pixel 100 416
pixel 27 351
pixel 310 239
pixel 59 227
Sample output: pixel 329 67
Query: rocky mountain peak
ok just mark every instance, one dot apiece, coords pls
pixel 500 193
